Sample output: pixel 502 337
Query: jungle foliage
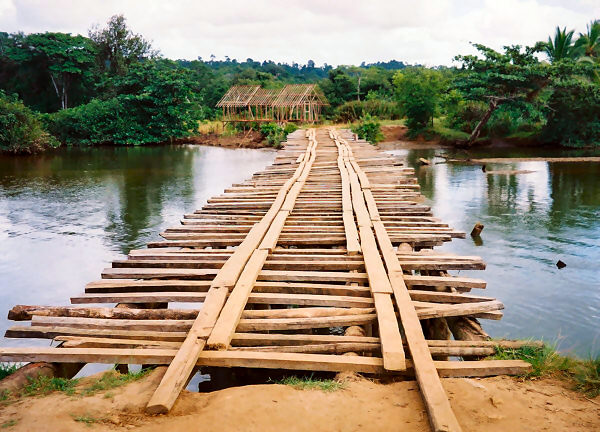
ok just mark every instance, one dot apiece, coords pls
pixel 113 87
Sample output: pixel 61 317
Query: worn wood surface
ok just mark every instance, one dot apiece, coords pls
pixel 333 234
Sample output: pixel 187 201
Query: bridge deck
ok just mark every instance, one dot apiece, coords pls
pixel 326 252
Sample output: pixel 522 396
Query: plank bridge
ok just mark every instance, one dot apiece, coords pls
pixel 328 251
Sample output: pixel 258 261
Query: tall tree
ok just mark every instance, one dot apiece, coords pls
pixel 64 58
pixel 118 47
pixel 561 47
pixel 418 92
pixel 588 43
pixel 514 77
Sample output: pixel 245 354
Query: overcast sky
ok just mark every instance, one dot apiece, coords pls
pixel 336 32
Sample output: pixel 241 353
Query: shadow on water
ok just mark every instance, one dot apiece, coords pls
pixel 531 221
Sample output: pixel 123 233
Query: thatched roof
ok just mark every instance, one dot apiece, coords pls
pixel 290 95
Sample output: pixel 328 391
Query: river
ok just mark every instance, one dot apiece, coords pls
pixel 531 220
pixel 67 214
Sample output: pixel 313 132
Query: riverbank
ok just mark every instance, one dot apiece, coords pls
pixel 250 140
pixel 494 404
pixel 395 137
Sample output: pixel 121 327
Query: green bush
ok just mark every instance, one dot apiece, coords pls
pixel 273 133
pixel 97 122
pixel 21 131
pixel 289 128
pixel 153 103
pixel 573 114
pixel 354 110
pixel 418 91
pixel 368 128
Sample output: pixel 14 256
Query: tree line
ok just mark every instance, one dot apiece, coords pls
pixel 113 87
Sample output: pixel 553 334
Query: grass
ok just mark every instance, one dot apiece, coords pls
pixel 111 380
pixel 8 368
pixel 86 418
pixel 584 375
pixel 310 383
pixel 43 385
pixel 449 135
pixel 8 424
pixel 210 127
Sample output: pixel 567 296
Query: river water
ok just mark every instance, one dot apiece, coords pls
pixel 531 220
pixel 65 215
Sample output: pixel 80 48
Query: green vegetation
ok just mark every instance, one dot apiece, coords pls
pixel 86 418
pixel 113 87
pixel 154 102
pixel 354 110
pixel 368 128
pixel 546 361
pixel 9 423
pixel 111 380
pixel 418 92
pixel 310 383
pixel 21 130
pixel 275 134
pixel 43 385
pixel 7 369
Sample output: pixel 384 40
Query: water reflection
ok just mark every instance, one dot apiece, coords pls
pixel 65 215
pixel 531 221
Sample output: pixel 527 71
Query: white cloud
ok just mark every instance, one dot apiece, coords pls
pixel 334 31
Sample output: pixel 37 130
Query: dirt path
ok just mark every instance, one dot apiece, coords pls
pixel 493 404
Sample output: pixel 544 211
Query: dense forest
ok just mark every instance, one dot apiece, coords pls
pixel 113 87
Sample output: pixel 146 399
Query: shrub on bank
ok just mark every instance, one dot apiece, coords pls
pixel 546 361
pixel 274 134
pixel 21 130
pixel 368 128
pixel 153 103
pixel 354 110
pixel 573 114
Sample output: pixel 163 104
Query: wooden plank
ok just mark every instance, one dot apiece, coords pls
pixel 232 311
pixel 269 360
pixel 440 412
pixel 179 370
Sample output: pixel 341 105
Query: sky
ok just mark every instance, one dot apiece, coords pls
pixel 429 32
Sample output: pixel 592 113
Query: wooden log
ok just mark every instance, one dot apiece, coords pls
pixel 269 360
pixel 231 313
pixel 476 232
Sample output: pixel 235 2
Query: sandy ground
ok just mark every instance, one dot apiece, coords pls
pixel 493 404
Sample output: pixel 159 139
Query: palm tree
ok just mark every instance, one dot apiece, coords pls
pixel 588 44
pixel 562 45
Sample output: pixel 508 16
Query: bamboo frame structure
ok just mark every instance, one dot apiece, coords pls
pixel 293 103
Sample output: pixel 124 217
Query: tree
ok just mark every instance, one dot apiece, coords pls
pixel 118 47
pixel 20 129
pixel 418 91
pixel 64 58
pixel 561 47
pixel 339 87
pixel 514 77
pixel 573 109
pixel 154 102
pixel 357 73
pixel 588 43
